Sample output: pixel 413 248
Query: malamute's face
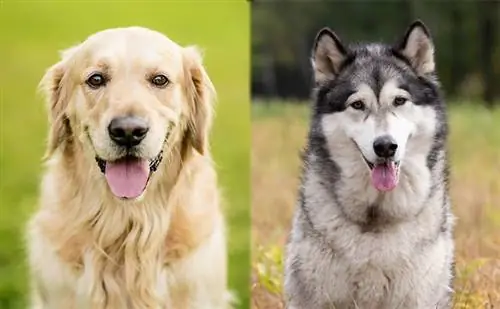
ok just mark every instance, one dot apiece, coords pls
pixel 376 100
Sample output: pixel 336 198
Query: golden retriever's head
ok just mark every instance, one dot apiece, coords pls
pixel 127 95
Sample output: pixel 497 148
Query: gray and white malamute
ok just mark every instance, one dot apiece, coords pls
pixel 373 227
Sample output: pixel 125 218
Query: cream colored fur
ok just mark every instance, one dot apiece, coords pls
pixel 167 248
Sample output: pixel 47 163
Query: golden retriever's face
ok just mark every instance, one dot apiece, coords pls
pixel 129 94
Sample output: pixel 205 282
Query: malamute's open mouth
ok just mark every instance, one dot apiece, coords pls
pixel 128 176
pixel 384 172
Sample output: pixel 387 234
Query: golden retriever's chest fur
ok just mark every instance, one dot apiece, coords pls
pixel 129 271
pixel 71 249
pixel 125 268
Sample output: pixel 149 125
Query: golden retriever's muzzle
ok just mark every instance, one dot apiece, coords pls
pixel 129 175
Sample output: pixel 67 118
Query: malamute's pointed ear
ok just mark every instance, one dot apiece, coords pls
pixel 417 47
pixel 327 56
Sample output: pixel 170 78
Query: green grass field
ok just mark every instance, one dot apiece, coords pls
pixel 33 32
pixel 278 135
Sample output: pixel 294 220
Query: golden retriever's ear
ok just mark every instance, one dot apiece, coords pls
pixel 54 86
pixel 201 94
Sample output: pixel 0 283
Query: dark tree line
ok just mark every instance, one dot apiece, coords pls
pixel 466 35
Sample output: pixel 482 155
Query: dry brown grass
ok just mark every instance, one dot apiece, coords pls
pixel 278 135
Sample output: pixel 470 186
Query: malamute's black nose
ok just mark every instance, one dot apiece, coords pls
pixel 385 146
pixel 127 131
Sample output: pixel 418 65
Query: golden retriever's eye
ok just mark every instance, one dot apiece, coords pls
pixel 96 80
pixel 398 101
pixel 359 105
pixel 159 80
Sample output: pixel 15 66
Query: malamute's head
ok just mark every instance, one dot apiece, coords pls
pixel 378 101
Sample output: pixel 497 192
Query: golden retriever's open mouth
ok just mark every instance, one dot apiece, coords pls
pixel 128 177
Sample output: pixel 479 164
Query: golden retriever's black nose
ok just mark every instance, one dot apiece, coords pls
pixel 385 146
pixel 128 131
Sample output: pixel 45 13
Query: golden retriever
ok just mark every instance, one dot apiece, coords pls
pixel 129 214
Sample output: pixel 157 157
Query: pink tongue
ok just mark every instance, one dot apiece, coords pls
pixel 127 178
pixel 385 176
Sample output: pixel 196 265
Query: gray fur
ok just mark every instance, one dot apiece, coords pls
pixel 352 246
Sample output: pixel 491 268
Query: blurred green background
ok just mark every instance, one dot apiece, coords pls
pixel 31 35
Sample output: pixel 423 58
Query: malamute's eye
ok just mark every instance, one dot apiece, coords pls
pixel 398 101
pixel 359 105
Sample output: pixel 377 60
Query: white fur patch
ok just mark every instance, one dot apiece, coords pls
pixel 381 117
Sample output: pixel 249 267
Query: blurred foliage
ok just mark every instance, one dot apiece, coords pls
pixel 466 35
pixel 269 268
pixel 33 32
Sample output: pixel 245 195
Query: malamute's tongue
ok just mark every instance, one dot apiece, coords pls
pixel 127 178
pixel 385 176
